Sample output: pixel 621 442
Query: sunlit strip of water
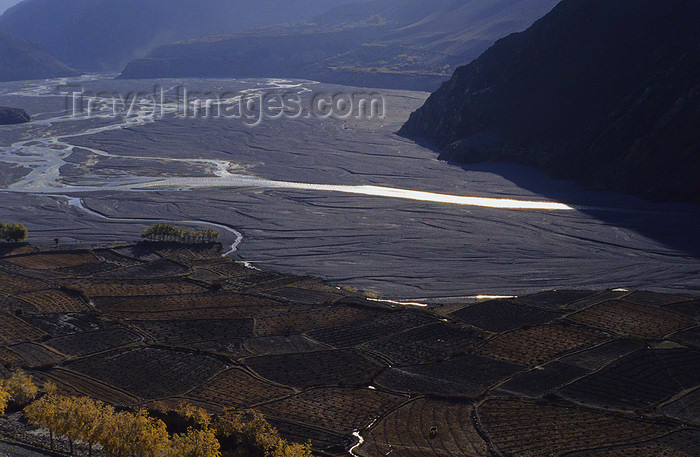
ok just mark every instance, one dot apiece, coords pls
pixel 374 191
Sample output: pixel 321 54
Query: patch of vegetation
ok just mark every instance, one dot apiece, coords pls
pixel 137 433
pixel 167 232
pixel 13 233
pixel 18 390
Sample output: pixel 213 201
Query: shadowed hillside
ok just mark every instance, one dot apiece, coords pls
pixel 23 60
pixel 606 93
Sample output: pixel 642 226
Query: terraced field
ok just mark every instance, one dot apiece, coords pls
pixel 596 358
pixel 52 260
pixel 307 319
pixel 651 450
pixel 685 408
pixel 305 369
pixel 189 331
pixel 149 323
pixel 543 380
pixel 407 432
pixel 131 288
pixel 14 330
pixel 150 372
pixel 683 443
pixel 274 345
pixel 35 355
pixel 540 344
pixel 632 320
pixel 564 299
pixel 235 388
pixel 54 301
pixel 503 315
pixel 640 379
pixel 464 375
pixel 526 428
pixel 426 344
pixel 9 359
pixel 687 308
pixel 15 284
pixel 157 269
pixel 85 343
pixel 305 296
pixel 71 383
pixel 356 333
pixel 340 410
pixel 183 306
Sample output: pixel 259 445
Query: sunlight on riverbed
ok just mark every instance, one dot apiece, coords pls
pixel 373 191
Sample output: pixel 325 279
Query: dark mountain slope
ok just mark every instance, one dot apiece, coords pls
pixel 385 43
pixel 606 93
pixel 20 60
pixel 445 35
pixel 106 34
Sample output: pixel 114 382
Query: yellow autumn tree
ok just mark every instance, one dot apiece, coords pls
pixel 115 439
pixel 21 388
pixel 152 436
pixel 250 430
pixel 88 419
pixel 63 419
pixel 127 433
pixel 4 398
pixel 44 413
pixel 196 443
pixel 199 416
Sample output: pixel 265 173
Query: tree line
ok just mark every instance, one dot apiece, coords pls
pixel 167 232
pixel 13 232
pixel 127 433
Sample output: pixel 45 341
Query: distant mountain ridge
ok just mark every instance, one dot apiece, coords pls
pixel 103 35
pixel 603 92
pixel 411 44
pixel 248 55
pixel 23 60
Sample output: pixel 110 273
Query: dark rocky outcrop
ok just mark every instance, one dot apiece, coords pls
pixel 603 92
pixel 9 116
pixel 21 60
pixel 405 44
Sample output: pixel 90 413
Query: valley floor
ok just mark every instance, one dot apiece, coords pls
pixel 347 200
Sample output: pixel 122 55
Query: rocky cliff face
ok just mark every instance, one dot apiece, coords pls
pixel 603 92
pixel 21 60
pixel 10 116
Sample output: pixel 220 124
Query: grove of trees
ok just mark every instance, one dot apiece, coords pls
pixel 18 389
pixel 120 433
pixel 13 232
pixel 125 433
pixel 167 232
